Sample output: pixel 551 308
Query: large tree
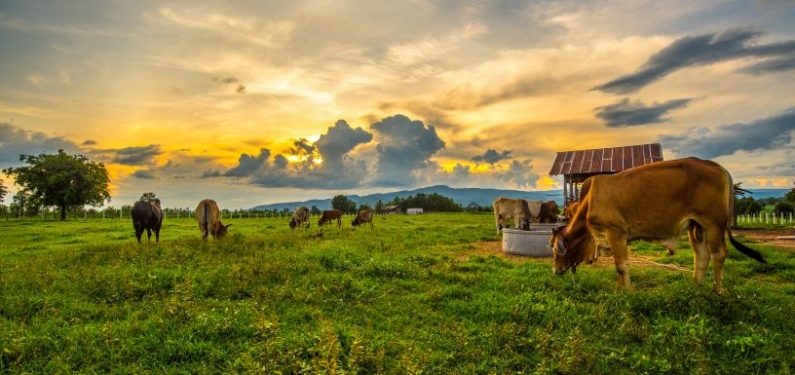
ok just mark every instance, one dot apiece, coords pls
pixel 3 191
pixel 343 204
pixel 62 180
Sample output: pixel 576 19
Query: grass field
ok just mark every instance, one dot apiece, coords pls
pixel 415 295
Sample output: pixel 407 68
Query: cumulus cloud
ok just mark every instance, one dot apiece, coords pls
pixel 338 169
pixel 405 146
pixel 762 134
pixel 338 141
pixel 492 156
pixel 627 113
pixel 520 173
pixel 15 141
pixel 697 50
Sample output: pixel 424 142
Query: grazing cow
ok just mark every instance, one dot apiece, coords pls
pixel 364 216
pixel 147 216
pixel 657 201
pixel 518 210
pixel 329 216
pixel 548 212
pixel 209 218
pixel 300 218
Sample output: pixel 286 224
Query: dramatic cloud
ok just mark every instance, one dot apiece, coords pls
pixel 137 155
pixel 762 134
pixel 492 156
pixel 338 141
pixel 697 50
pixel 520 173
pixel 404 147
pixel 626 113
pixel 337 170
pixel 15 141
pixel 89 142
pixel 248 164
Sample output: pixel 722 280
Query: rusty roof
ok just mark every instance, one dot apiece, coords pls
pixel 605 160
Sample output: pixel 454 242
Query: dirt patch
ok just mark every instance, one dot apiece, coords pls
pixel 782 238
pixel 486 248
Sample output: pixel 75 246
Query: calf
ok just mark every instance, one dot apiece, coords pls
pixel 147 216
pixel 364 216
pixel 330 215
pixel 300 218
pixel 209 218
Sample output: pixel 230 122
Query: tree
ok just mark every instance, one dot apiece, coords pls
pixel 148 197
pixel 747 206
pixel 342 203
pixel 791 196
pixel 3 191
pixel 314 210
pixel 379 206
pixel 784 208
pixel 62 180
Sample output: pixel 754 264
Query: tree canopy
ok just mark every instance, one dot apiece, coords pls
pixel 3 191
pixel 148 197
pixel 62 180
pixel 342 203
pixel 428 202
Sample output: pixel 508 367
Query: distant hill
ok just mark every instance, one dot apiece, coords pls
pixel 464 196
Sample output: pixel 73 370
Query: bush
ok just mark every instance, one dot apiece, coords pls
pixel 784 208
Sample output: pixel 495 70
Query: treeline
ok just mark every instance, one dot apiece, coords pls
pixel 747 205
pixel 428 202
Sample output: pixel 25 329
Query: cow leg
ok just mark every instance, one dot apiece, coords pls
pixel 716 242
pixel 149 234
pixel 700 252
pixel 138 233
pixel 157 234
pixel 339 222
pixel 618 243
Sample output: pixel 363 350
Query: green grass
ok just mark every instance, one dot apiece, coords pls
pixel 409 296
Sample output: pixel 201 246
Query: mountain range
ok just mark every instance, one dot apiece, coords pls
pixel 462 196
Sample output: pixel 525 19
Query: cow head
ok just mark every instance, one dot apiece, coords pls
pixel 356 221
pixel 561 254
pixel 220 229
pixel 293 223
pixel 323 220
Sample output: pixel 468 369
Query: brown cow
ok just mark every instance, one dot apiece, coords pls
pixel 364 216
pixel 209 218
pixel 506 209
pixel 656 201
pixel 300 218
pixel 329 216
pixel 548 212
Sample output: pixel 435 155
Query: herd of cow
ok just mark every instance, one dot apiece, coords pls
pixel 656 202
pixel 148 216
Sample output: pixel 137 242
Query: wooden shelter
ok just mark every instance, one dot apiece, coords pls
pixel 577 166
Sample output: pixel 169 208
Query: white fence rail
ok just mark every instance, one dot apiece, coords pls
pixel 766 218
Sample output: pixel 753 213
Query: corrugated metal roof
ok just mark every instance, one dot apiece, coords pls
pixel 605 160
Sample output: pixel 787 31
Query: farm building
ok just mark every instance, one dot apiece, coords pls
pixel 577 166
pixel 414 211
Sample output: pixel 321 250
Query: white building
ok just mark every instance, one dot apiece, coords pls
pixel 414 211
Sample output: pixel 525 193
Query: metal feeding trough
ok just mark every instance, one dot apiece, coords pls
pixel 533 242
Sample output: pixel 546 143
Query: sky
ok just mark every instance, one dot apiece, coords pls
pixel 260 102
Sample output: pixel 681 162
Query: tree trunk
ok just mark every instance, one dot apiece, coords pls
pixel 63 213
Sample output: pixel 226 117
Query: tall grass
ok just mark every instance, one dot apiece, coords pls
pixel 410 296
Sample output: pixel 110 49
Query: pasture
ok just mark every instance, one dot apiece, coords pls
pixel 416 294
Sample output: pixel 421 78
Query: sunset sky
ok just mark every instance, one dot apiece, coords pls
pixel 270 101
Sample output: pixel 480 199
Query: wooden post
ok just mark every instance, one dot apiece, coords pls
pixel 565 191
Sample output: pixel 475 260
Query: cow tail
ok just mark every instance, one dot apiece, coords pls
pixel 206 221
pixel 756 255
